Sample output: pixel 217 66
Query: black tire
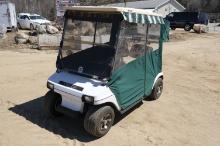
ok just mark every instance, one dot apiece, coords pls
pixel 187 27
pixel 14 29
pixel 98 120
pixel 157 90
pixel 51 101
pixel 173 28
pixel 31 27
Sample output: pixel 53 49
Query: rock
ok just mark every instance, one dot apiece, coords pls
pixel 33 40
pixel 200 28
pixel 21 38
pixel 41 29
pixel 3 30
pixel 52 29
pixel 21 35
pixel 57 26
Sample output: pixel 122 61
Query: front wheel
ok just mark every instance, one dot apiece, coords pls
pixel 51 101
pixel 98 120
pixel 173 28
pixel 187 27
pixel 157 90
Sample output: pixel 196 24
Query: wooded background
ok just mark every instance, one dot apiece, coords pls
pixel 47 7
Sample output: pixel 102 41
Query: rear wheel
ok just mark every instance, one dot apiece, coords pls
pixel 52 100
pixel 98 120
pixel 14 29
pixel 19 26
pixel 187 27
pixel 157 90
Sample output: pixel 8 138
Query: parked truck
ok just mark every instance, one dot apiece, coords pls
pixel 8 15
pixel 187 20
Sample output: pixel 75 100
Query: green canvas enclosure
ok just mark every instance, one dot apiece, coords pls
pixel 137 37
pixel 165 30
pixel 109 59
pixel 138 58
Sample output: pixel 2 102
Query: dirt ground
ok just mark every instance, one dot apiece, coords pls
pixel 188 113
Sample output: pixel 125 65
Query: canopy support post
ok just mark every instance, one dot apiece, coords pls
pixel 145 55
pixel 125 3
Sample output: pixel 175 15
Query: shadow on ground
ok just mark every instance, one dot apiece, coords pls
pixel 67 127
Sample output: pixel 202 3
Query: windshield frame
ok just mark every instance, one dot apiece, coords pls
pixel 114 31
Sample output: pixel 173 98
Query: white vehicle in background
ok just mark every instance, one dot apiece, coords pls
pixel 30 21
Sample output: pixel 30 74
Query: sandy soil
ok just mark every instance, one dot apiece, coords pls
pixel 188 113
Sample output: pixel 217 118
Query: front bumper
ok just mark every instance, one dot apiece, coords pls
pixel 71 99
pixel 76 90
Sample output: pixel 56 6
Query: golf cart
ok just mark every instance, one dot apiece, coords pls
pixel 109 60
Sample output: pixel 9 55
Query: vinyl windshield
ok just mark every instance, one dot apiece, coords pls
pixel 88 45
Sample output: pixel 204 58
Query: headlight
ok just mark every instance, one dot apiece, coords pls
pixel 87 99
pixel 50 85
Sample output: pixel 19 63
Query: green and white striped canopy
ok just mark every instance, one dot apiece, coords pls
pixel 142 18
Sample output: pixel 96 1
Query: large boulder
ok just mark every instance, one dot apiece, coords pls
pixel 22 35
pixel 21 38
pixel 58 27
pixel 200 28
pixel 51 29
pixel 3 30
pixel 20 41
pixel 41 29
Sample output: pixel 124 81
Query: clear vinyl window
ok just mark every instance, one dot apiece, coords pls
pixel 131 44
pixel 153 36
pixel 81 35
